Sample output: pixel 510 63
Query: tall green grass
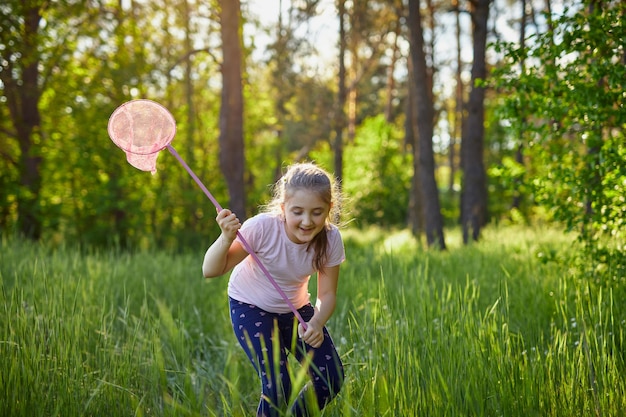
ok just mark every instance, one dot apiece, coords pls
pixel 503 327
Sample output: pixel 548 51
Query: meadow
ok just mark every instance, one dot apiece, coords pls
pixel 507 326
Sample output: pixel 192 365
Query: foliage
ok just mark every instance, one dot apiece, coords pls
pixel 505 175
pixel 377 177
pixel 99 57
pixel 567 106
pixel 95 59
pixel 97 54
pixel 502 327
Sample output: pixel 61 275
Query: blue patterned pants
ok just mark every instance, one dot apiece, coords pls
pixel 267 338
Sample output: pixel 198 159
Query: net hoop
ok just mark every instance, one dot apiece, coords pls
pixel 141 127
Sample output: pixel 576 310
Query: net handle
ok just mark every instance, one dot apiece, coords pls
pixel 241 238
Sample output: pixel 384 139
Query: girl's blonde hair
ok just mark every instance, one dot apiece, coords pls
pixel 309 177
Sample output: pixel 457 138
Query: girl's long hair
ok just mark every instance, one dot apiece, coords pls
pixel 311 178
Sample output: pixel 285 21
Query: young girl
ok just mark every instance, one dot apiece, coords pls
pixel 293 238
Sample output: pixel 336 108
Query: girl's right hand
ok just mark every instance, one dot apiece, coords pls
pixel 225 252
pixel 228 223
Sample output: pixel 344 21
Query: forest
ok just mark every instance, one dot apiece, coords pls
pixel 432 114
pixel 480 150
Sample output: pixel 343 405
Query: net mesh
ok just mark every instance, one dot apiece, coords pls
pixel 142 128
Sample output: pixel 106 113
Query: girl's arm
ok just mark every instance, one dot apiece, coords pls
pixel 325 305
pixel 224 253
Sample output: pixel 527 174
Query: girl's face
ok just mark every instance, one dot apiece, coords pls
pixel 305 215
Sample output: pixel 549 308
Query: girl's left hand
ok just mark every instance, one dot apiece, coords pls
pixel 313 335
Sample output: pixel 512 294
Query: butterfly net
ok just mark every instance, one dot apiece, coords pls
pixel 142 128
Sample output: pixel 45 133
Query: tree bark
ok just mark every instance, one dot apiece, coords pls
pixel 415 215
pixel 340 117
pixel 23 101
pixel 424 160
pixel 459 102
pixel 474 193
pixel 232 162
pixel 391 80
pixel 519 152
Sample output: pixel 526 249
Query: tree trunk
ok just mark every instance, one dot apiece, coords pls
pixel 519 152
pixel 424 161
pixel 459 101
pixel 474 193
pixel 415 212
pixel 594 145
pixel 282 93
pixel 190 130
pixel 23 100
pixel 340 118
pixel 231 142
pixel 391 80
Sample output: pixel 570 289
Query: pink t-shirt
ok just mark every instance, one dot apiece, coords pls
pixel 289 263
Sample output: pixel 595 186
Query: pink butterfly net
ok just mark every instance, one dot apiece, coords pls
pixel 142 128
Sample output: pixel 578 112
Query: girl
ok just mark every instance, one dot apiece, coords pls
pixel 293 238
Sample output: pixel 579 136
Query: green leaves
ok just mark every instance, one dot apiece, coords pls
pixel 377 178
pixel 567 105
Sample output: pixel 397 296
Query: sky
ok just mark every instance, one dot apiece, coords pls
pixel 322 30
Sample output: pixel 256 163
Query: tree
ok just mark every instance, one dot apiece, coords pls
pixel 424 161
pixel 20 61
pixel 576 119
pixel 459 99
pixel 474 189
pixel 340 115
pixel 377 182
pixel 231 111
pixel 519 154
